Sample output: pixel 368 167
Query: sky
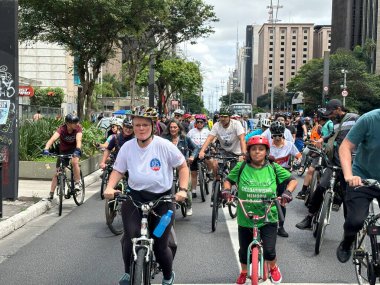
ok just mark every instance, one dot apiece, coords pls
pixel 217 53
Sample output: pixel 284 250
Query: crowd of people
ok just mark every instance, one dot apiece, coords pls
pixel 149 146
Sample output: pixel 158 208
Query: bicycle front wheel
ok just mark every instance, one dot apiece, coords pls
pixel 313 185
pixel 103 186
pixel 324 218
pixel 61 192
pixel 113 216
pixel 232 206
pixel 215 205
pixel 255 266
pixel 201 178
pixel 140 271
pixel 79 195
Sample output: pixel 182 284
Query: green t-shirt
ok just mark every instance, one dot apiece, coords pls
pixel 365 134
pixel 257 183
pixel 327 128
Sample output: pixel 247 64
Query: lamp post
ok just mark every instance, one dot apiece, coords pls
pixel 344 86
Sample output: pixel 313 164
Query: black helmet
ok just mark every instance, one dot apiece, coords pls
pixel 321 113
pixel 277 128
pixel 127 123
pixel 225 112
pixel 70 118
pixel 280 114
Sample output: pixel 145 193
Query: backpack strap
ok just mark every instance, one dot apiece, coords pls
pixel 275 173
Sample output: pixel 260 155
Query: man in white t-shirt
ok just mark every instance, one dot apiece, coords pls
pixel 230 134
pixel 279 117
pixel 149 160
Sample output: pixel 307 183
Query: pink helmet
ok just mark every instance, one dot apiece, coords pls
pixel 201 117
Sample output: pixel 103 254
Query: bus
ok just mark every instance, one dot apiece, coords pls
pixel 241 109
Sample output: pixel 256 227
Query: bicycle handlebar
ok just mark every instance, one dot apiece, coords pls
pixel 163 199
pixel 370 183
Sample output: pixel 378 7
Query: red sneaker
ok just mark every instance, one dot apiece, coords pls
pixel 275 275
pixel 242 278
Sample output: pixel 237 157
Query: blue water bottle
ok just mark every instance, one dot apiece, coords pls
pixel 164 222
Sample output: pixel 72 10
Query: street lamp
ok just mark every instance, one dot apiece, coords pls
pixel 344 86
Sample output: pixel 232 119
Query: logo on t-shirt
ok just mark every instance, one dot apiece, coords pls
pixel 155 164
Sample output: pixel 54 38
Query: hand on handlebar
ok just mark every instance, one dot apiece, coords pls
pixel 201 154
pixel 109 193
pixel 354 181
pixel 45 152
pixel 286 198
pixel 181 196
pixel 226 194
pixel 102 165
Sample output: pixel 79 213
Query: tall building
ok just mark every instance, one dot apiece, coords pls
pixel 248 64
pixel 255 63
pixel 283 49
pixel 322 40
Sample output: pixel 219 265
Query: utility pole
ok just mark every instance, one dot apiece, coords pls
pixel 326 67
pixel 222 86
pixel 273 19
pixel 216 96
pixel 344 86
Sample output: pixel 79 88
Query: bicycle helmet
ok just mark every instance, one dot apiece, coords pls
pixel 287 115
pixel 265 123
pixel 256 140
pixel 296 113
pixel 321 113
pixel 127 123
pixel 201 117
pixel 179 112
pixel 115 121
pixel 70 118
pixel 225 112
pixel 149 113
pixel 277 115
pixel 187 116
pixel 307 119
pixel 277 128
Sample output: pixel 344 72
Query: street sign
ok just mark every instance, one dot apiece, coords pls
pixel 344 93
pixel 326 88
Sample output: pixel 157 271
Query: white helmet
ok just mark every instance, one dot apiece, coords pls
pixel 265 122
pixel 179 111
pixel 115 121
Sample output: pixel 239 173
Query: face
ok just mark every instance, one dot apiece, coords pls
pixel 200 124
pixel 281 120
pixel 174 129
pixel 257 153
pixel 177 116
pixel 335 113
pixel 224 120
pixel 72 126
pixel 142 128
pixel 277 137
pixel 114 128
pixel 127 130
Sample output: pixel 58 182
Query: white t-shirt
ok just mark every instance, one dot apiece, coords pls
pixel 229 137
pixel 149 168
pixel 287 135
pixel 198 136
pixel 282 154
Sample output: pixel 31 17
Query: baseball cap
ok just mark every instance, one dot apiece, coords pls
pixel 332 105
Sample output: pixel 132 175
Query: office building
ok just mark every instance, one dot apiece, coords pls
pixel 322 40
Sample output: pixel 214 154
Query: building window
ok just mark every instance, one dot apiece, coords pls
pixel 282 43
pixel 270 49
pixel 283 31
pixel 271 55
pixel 293 49
pixel 293 55
pixel 281 73
pixel 270 61
pixel 271 37
pixel 270 66
pixel 269 85
pixel 281 78
pixel 281 67
pixel 271 43
pixel 293 61
pixel 282 55
pixel 270 73
pixel 294 31
pixel 282 37
pixel 305 43
pixel 304 61
pixel 293 67
pixel 282 49
pixel 281 61
pixel 293 73
pixel 270 79
pixel 305 37
pixel 293 43
pixel 329 35
pixel 305 31
pixel 294 37
pixel 304 49
pixel 304 56
pixel 281 85
pixel 271 31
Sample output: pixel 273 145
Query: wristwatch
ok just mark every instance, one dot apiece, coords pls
pixel 182 189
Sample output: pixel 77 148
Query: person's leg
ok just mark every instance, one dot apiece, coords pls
pixel 245 238
pixel 268 236
pixel 281 231
pixel 306 183
pixel 76 169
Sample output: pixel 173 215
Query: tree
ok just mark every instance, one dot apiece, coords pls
pixel 50 97
pixel 234 97
pixel 88 29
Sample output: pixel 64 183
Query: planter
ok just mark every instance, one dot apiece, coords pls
pixel 45 171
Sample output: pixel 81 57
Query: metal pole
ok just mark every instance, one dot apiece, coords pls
pixel 151 82
pixel 326 67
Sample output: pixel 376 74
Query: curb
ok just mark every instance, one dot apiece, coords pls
pixel 17 221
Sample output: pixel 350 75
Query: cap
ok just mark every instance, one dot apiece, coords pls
pixel 332 105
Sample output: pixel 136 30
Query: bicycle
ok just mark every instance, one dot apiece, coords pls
pixel 366 250
pixel 204 179
pixel 175 189
pixel 143 266
pixel 257 268
pixel 63 181
pixel 224 165
pixel 114 220
pixel 106 174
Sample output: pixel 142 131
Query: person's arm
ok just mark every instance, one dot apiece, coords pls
pixel 79 140
pixel 115 177
pixel 304 132
pixel 183 174
pixel 345 151
pixel 292 185
pixel 106 154
pixel 50 142
pixel 209 139
pixel 243 145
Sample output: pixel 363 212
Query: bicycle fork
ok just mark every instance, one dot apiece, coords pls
pixel 255 244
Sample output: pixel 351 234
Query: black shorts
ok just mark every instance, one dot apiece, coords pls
pixel 194 164
pixel 66 161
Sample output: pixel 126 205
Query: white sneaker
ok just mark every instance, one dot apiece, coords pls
pixel 77 186
pixel 189 212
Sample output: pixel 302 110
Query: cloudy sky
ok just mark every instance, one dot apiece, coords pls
pixel 217 53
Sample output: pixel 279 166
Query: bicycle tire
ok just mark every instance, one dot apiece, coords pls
pixel 201 179
pixel 313 185
pixel 361 265
pixel 184 209
pixel 255 266
pixel 232 206
pixel 61 192
pixel 103 186
pixel 79 195
pixel 141 269
pixel 322 221
pixel 215 206
pixel 113 217
pixel 314 224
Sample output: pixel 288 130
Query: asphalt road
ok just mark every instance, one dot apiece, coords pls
pixel 78 248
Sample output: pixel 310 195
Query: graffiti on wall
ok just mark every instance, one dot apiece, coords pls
pixel 7 89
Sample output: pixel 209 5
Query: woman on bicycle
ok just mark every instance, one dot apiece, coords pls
pixel 149 160
pixel 176 134
pixel 259 179
pixel 112 132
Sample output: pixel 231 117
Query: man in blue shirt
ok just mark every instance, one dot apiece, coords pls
pixel 365 137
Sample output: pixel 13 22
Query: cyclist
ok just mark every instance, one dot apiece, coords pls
pixel 279 117
pixel 198 136
pixel 365 138
pixel 114 130
pixel 301 131
pixel 259 179
pixel 264 123
pixel 176 135
pixel 117 141
pixel 149 160
pixel 343 123
pixel 70 138
pixel 280 152
pixel 289 125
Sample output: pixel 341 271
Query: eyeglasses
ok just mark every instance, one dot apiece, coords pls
pixel 224 116
pixel 128 127
pixel 144 126
pixel 277 135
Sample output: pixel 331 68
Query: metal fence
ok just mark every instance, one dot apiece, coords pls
pixel 27 111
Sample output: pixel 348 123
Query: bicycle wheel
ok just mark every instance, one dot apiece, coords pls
pixel 201 178
pixel 313 185
pixel 361 260
pixel 215 206
pixel 232 206
pixel 323 221
pixel 79 195
pixel 314 224
pixel 184 209
pixel 140 271
pixel 61 192
pixel 113 217
pixel 255 266
pixel 103 186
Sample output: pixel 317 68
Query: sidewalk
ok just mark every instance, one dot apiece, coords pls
pixel 31 203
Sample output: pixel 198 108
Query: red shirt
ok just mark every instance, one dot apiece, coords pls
pixel 68 141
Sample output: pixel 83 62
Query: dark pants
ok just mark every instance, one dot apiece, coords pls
pixel 132 225
pixel 280 189
pixel 268 235
pixel 357 203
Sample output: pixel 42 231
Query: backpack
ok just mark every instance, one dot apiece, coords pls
pixel 244 164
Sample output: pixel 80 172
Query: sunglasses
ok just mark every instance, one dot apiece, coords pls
pixel 200 122
pixel 277 135
pixel 224 116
